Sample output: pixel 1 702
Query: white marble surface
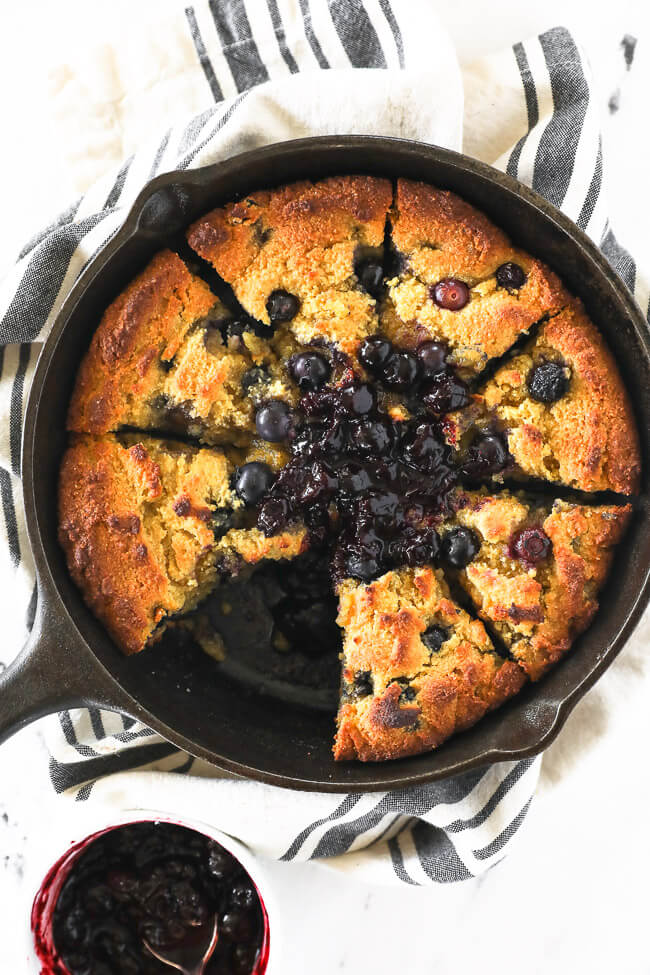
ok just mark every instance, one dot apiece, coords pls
pixel 571 895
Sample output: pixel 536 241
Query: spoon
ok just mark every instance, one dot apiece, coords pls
pixel 190 959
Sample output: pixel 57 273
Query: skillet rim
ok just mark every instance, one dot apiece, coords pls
pixel 550 723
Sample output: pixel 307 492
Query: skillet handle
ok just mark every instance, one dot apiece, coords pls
pixel 48 675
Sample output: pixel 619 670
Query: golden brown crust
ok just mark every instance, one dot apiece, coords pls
pixel 303 239
pixel 538 611
pixel 135 525
pixel 587 439
pixel 419 697
pixel 439 235
pixel 139 332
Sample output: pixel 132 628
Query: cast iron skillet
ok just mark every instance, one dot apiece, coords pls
pixel 69 660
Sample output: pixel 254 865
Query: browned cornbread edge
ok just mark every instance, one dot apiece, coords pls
pixel 145 324
pixel 451 696
pixel 555 601
pixel 122 568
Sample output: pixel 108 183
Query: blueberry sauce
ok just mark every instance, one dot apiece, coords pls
pixel 370 489
pixel 160 882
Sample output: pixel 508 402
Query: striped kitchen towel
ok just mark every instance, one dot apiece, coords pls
pixel 364 66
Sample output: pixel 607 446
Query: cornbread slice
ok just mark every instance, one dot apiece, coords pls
pixel 303 239
pixel 136 522
pixel 438 236
pixel 538 608
pixel 416 667
pixel 584 439
pixel 161 359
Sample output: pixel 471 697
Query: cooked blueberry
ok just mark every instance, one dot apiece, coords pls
pixel 432 357
pixel 548 382
pixel 252 481
pixel 531 545
pixel 273 516
pixel 310 370
pixel 459 547
pixel 511 276
pixel 75 927
pixel 445 392
pixel 244 959
pixel 253 377
pixel 282 306
pixel 357 399
pixel 362 566
pixel 487 454
pixel 99 899
pixel 220 864
pixel 374 352
pixel 434 637
pixel 408 694
pixel 450 293
pixel 371 275
pixel 363 683
pixel 230 925
pixel 400 370
pixel 243 896
pixel 273 421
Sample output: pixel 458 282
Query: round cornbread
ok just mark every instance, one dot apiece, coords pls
pixel 337 403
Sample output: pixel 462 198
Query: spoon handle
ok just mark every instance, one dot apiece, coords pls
pixel 195 968
pixel 199 969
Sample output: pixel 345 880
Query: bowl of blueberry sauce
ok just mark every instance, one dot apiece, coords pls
pixel 156 881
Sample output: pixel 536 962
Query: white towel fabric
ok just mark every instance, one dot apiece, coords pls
pixel 198 86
